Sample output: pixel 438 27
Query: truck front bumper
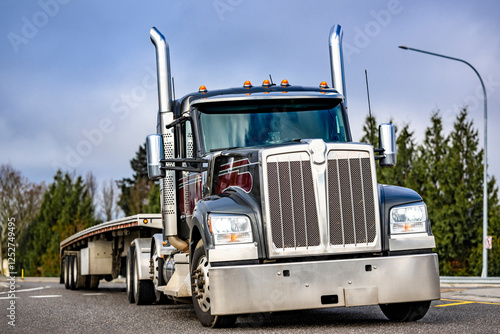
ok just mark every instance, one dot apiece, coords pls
pixel 307 285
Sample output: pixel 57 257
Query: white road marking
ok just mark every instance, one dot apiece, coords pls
pixel 46 296
pixel 93 294
pixel 8 297
pixel 24 290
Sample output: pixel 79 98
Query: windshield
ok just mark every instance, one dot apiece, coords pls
pixel 263 123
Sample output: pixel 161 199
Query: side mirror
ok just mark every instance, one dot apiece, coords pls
pixel 387 142
pixel 154 153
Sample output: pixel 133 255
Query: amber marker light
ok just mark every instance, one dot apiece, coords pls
pixel 266 83
pixel 323 85
pixel 210 224
pixel 202 89
pixel 284 83
pixel 247 84
pixel 145 221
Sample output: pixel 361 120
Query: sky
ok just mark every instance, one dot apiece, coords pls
pixel 78 83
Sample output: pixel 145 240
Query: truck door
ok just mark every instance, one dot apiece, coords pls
pixel 190 185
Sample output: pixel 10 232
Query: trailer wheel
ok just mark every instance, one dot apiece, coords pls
pixel 200 283
pixel 74 273
pixel 405 312
pixel 130 275
pixel 80 280
pixel 144 293
pixel 66 272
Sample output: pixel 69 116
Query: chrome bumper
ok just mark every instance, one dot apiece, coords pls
pixel 308 285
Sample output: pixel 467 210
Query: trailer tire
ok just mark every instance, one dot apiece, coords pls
pixel 61 272
pixel 405 312
pixel 130 275
pixel 94 282
pixel 66 272
pixel 144 292
pixel 200 286
pixel 86 282
pixel 73 273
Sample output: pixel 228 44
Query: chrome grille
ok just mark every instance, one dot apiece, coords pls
pixel 293 215
pixel 328 208
pixel 351 205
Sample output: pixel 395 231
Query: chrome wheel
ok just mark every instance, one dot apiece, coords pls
pixel 201 284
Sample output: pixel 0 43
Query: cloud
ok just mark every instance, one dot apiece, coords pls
pixel 78 73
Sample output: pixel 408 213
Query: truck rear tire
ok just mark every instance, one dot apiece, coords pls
pixel 201 291
pixel 405 312
pixel 160 297
pixel 144 293
pixel 130 275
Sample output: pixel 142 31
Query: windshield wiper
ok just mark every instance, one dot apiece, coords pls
pixel 224 149
pixel 292 140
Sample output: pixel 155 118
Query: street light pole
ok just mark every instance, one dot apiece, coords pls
pixel 484 272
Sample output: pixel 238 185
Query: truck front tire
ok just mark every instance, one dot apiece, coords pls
pixel 405 312
pixel 201 291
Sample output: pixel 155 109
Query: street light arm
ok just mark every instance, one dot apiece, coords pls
pixel 448 57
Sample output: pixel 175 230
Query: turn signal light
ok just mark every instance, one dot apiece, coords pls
pixel 202 89
pixel 323 84
pixel 247 84
pixel 285 83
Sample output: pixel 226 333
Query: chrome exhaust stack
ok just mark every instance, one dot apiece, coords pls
pixel 162 71
pixel 337 60
pixel 161 146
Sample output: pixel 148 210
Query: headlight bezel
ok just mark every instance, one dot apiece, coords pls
pixel 230 229
pixel 409 219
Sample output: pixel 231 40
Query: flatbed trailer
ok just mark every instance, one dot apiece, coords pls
pixel 100 251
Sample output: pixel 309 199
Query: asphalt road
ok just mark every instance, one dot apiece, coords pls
pixel 46 307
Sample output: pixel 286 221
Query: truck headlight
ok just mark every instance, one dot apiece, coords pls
pixel 408 219
pixel 230 229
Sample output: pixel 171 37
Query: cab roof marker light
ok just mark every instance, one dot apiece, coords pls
pixel 284 83
pixel 202 89
pixel 247 84
pixel 266 83
pixel 323 85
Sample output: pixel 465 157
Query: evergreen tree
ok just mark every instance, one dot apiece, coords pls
pixel 458 230
pixel 399 175
pixel 370 136
pixel 405 143
pixel 427 178
pixel 153 205
pixel 66 208
pixel 448 173
pixel 370 131
pixel 430 161
pixel 136 192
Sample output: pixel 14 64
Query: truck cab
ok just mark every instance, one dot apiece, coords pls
pixel 268 204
